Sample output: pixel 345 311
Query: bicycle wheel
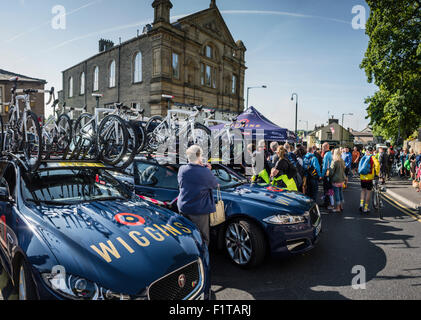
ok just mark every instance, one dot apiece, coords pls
pixel 31 140
pixel 84 133
pixel 64 134
pixel 141 136
pixel 112 139
pixel 376 200
pixel 132 146
pixel 11 138
pixel 201 137
pixel 156 132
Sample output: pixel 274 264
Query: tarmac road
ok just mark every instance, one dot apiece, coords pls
pixel 389 250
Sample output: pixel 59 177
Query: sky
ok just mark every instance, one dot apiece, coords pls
pixel 293 46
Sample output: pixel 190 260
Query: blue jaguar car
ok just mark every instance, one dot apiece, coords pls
pixel 72 231
pixel 260 219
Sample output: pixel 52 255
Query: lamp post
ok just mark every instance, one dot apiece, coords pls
pixel 342 129
pixel 248 89
pixel 296 110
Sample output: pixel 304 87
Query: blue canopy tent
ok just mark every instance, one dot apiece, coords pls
pixel 253 122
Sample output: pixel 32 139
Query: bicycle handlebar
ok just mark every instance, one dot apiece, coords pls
pixel 29 91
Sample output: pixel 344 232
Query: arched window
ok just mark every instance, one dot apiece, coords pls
pixel 96 79
pixel 112 74
pixel 70 87
pixel 82 83
pixel 137 68
pixel 209 51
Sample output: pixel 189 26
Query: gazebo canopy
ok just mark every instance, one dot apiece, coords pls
pixel 255 122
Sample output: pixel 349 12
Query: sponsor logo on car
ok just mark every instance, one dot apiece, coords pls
pixel 158 233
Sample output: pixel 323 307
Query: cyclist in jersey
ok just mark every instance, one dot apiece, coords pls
pixel 367 179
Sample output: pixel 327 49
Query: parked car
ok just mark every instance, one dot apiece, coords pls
pixel 260 219
pixel 73 231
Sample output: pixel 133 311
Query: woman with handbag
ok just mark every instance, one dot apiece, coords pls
pixel 338 178
pixel 196 184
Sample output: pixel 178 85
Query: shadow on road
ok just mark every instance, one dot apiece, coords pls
pixel 348 240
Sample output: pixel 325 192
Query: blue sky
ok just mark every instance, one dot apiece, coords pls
pixel 303 46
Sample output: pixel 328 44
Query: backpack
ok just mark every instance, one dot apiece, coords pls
pixel 311 170
pixel 365 165
pixel 292 171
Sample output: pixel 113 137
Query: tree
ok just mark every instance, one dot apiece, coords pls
pixel 393 62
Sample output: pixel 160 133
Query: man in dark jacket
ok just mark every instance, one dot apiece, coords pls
pixel 196 182
pixel 384 162
pixel 312 174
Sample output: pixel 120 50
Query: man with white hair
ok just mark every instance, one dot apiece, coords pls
pixel 196 182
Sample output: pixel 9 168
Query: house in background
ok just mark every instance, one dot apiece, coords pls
pixel 194 59
pixel 332 133
pixel 363 137
pixel 25 82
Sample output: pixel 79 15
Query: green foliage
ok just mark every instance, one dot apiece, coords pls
pixel 393 62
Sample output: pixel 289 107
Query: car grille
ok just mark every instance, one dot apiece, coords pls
pixel 170 286
pixel 314 216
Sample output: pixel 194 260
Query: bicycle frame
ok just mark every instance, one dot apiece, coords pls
pixel 172 121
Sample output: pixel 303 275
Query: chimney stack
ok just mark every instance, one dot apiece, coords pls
pixel 105 45
pixel 161 11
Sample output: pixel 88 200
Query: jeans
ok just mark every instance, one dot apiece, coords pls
pixel 339 195
pixel 312 188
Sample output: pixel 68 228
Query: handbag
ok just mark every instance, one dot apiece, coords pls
pixel 218 217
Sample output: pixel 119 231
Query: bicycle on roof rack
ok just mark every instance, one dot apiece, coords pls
pixel 23 132
pixel 57 134
pixel 164 132
pixel 229 140
pixel 136 133
pixel 106 140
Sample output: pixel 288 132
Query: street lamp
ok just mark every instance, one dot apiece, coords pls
pixel 296 110
pixel 342 130
pixel 248 89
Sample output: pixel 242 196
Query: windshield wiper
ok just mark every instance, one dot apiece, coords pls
pixel 49 202
pixel 106 199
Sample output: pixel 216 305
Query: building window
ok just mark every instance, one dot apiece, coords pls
pixel 96 79
pixel 234 84
pixel 70 87
pixel 175 66
pixel 209 52
pixel 137 68
pixel 82 83
pixel 112 75
pixel 329 136
pixel 208 76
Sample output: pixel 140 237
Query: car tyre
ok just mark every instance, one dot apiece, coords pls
pixel 25 284
pixel 239 234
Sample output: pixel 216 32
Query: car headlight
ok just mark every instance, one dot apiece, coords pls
pixel 284 219
pixel 78 288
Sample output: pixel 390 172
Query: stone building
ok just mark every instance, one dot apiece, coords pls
pixel 333 133
pixel 25 82
pixel 195 59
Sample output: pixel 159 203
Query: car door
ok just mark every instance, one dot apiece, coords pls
pixel 7 191
pixel 156 181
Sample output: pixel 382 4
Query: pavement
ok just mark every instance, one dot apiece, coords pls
pixel 402 191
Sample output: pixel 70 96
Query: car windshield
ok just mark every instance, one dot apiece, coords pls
pixel 226 179
pixel 72 186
